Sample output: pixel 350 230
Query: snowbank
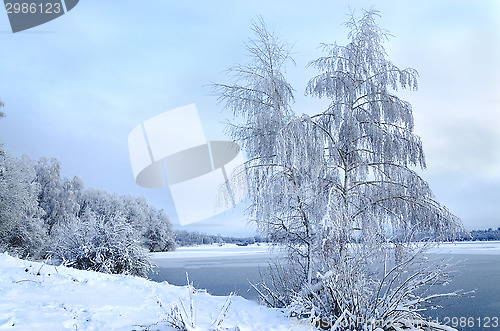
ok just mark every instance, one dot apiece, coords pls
pixel 35 296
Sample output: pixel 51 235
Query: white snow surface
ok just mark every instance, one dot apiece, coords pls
pixel 37 296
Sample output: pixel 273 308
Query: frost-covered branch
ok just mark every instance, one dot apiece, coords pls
pixel 336 190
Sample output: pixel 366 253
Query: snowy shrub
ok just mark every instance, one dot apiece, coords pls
pixel 183 319
pixel 105 245
pixel 378 293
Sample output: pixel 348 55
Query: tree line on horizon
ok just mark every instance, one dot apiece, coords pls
pixel 184 238
pixel 481 235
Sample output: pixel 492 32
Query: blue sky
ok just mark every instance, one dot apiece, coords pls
pixel 75 87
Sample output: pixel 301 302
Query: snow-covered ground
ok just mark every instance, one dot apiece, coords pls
pixel 35 296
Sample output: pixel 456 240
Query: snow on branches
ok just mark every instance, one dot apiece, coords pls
pixel 337 190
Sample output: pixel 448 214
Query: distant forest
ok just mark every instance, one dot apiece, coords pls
pixel 481 235
pixel 193 238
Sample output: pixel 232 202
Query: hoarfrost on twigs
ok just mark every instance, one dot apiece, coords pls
pixel 338 190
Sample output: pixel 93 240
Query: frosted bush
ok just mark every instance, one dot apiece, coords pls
pixel 105 245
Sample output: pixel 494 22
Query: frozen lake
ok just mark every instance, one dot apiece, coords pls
pixel 220 270
pixel 229 268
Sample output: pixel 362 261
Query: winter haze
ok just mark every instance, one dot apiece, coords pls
pixel 75 87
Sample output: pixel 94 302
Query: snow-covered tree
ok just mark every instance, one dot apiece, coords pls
pixel 100 202
pixel 287 200
pixel 371 143
pixel 338 189
pixel 21 229
pixel 377 198
pixel 153 227
pixel 158 232
pixel 57 196
pixel 2 114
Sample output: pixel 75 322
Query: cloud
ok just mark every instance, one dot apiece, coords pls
pixel 463 140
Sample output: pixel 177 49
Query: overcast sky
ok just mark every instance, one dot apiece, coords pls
pixel 75 87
